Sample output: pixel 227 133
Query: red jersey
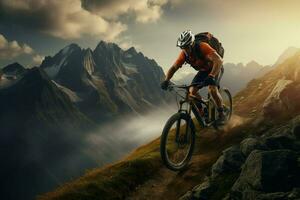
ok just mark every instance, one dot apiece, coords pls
pixel 197 63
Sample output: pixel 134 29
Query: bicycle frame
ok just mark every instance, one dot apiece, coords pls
pixel 193 108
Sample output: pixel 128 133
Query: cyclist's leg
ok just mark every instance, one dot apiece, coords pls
pixel 193 91
pixel 213 89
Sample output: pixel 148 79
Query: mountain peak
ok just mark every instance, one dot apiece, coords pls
pixel 253 63
pixel 289 52
pixel 69 48
pixel 131 50
pixel 13 68
pixel 107 45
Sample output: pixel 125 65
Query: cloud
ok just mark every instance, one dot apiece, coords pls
pixel 63 19
pixel 12 49
pixel 37 59
pixel 9 50
pixel 145 11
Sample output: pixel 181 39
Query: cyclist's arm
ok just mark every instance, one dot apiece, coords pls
pixel 171 72
pixel 217 63
pixel 178 63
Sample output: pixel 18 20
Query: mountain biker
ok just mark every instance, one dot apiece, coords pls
pixel 208 69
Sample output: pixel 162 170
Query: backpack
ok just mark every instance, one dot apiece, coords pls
pixel 211 40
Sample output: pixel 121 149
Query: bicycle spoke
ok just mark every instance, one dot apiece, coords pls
pixel 178 143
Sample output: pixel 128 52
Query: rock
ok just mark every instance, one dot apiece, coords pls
pixel 230 161
pixel 295 126
pixel 250 144
pixel 294 194
pixel 204 190
pixel 247 194
pixel 272 196
pixel 282 141
pixel 257 195
pixel 296 131
pixel 275 103
pixel 266 171
pixel 187 196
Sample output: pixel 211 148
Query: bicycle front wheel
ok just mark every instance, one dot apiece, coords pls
pixel 177 141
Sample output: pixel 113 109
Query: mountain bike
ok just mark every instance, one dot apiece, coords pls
pixel 178 135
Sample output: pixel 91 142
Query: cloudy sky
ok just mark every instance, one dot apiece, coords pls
pixel 249 30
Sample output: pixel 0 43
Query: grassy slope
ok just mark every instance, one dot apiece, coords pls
pixel 113 181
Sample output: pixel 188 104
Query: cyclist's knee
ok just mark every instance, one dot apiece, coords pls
pixel 193 91
pixel 213 88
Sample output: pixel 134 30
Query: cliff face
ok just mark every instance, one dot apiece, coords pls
pixel 108 80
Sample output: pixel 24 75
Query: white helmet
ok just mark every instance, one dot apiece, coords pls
pixel 186 38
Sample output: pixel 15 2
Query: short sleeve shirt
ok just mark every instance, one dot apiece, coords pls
pixel 196 63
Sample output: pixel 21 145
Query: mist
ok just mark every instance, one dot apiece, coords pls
pixel 113 140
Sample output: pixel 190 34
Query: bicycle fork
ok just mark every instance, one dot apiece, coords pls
pixel 178 125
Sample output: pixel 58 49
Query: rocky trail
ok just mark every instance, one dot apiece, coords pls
pixel 167 184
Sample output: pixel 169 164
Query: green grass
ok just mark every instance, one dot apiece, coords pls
pixel 113 181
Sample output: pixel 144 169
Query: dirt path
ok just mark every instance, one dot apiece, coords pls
pixel 167 184
pixel 155 187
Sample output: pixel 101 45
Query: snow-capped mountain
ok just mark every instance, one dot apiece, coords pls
pixel 107 79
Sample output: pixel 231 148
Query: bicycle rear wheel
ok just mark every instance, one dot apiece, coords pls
pixel 227 102
pixel 177 141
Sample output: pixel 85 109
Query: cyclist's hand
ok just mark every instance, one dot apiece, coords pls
pixel 164 85
pixel 210 80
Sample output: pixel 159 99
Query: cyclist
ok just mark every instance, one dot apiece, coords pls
pixel 208 69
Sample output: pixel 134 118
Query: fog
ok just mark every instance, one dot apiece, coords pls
pixel 113 140
pixel 38 160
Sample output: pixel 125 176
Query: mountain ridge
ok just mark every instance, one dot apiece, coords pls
pixel 109 78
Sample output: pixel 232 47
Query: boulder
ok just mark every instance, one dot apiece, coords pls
pixel 294 194
pixel 187 196
pixel 272 196
pixel 296 131
pixel 275 103
pixel 266 171
pixel 282 141
pixel 231 160
pixel 250 144
pixel 257 195
pixel 204 190
pixel 296 126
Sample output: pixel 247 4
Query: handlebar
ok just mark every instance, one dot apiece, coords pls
pixel 186 87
